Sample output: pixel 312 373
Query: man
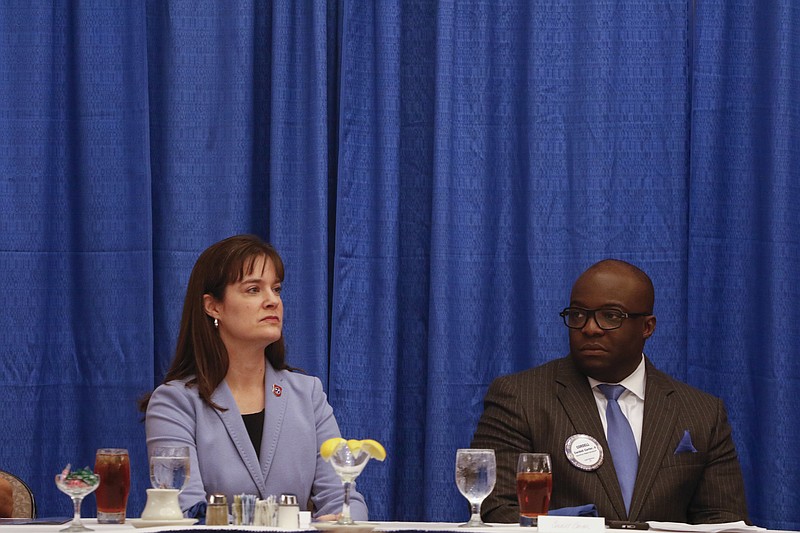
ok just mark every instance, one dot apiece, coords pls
pixel 687 469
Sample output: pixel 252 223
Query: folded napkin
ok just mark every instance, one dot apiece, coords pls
pixel 581 510
pixel 198 511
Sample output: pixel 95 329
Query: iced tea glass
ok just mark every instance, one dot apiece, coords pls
pixel 114 468
pixel 534 484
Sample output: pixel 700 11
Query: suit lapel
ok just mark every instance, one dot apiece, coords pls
pixel 275 402
pixel 657 427
pixel 232 420
pixel 579 404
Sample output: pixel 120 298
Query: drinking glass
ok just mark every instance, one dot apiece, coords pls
pixel 476 473
pixel 348 465
pixel 169 467
pixel 114 468
pixel 77 485
pixel 534 484
pixel 169 472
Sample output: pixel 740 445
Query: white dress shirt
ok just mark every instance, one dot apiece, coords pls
pixel 631 401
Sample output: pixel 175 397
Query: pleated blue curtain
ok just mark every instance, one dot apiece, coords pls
pixel 435 175
pixel 743 241
pixel 75 241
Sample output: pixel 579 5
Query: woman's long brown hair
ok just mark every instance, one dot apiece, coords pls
pixel 200 353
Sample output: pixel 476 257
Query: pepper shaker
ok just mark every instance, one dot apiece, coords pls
pixel 288 512
pixel 217 510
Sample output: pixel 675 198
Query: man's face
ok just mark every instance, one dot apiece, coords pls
pixel 610 355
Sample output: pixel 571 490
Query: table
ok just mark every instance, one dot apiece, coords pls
pixel 364 527
pixel 368 527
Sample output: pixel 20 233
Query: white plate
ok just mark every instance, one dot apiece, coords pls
pixel 138 522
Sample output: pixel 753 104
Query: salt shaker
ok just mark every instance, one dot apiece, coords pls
pixel 217 510
pixel 288 512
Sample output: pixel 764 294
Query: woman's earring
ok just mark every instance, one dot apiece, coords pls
pixel 216 323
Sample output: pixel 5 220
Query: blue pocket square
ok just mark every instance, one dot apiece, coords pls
pixel 685 445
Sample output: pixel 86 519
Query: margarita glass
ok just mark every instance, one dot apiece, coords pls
pixel 77 485
pixel 348 458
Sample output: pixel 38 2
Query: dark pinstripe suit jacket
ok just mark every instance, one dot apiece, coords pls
pixel 538 409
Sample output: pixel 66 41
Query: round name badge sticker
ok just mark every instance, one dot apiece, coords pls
pixel 584 452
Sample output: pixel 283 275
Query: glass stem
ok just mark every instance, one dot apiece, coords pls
pixel 345 519
pixel 76 504
pixel 476 513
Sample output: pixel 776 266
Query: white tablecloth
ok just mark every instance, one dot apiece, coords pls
pixel 359 528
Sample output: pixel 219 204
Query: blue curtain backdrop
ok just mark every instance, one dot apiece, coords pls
pixel 435 175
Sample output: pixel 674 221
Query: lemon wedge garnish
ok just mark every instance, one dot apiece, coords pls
pixel 374 448
pixel 371 447
pixel 330 446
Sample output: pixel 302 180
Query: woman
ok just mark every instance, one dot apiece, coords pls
pixel 253 426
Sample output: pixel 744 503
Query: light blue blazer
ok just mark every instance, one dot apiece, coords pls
pixel 297 420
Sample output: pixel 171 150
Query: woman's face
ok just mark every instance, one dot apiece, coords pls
pixel 251 312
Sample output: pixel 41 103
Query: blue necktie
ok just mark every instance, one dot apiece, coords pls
pixel 621 442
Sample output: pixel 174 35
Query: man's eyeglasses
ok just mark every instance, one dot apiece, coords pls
pixel 606 319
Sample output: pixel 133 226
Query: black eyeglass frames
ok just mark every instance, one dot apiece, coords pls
pixel 605 318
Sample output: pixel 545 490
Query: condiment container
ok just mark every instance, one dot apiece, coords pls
pixel 217 510
pixel 288 512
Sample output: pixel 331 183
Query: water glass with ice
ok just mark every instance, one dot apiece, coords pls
pixel 476 473
pixel 169 472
